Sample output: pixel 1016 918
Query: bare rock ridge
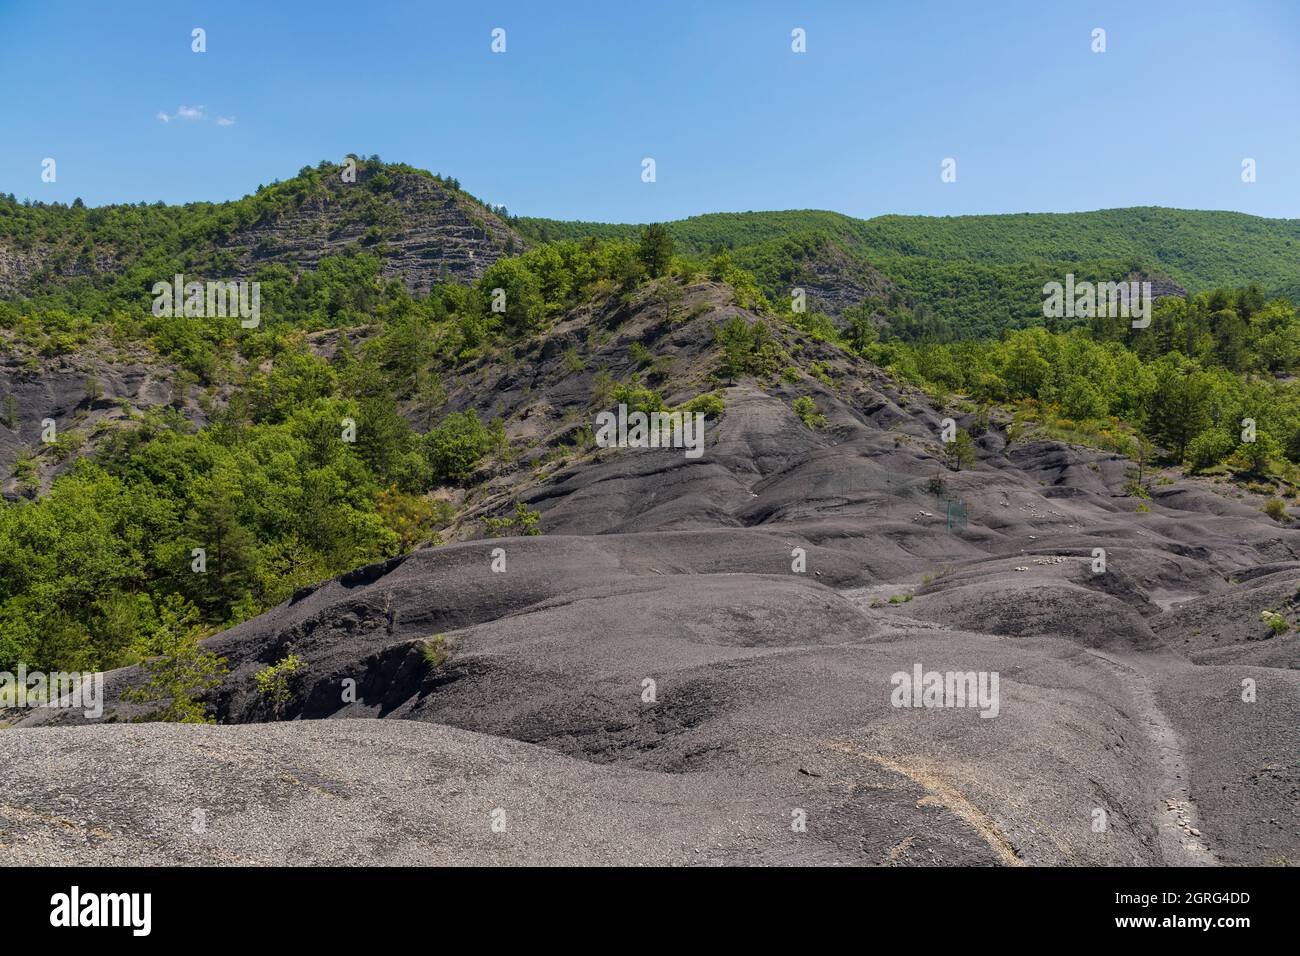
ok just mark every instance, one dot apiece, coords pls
pixel 424 231
pixel 695 663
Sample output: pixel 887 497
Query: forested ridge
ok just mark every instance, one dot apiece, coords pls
pixel 97 572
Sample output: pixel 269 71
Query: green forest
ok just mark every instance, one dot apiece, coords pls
pixel 982 274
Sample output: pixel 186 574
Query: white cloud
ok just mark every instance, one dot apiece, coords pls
pixel 193 113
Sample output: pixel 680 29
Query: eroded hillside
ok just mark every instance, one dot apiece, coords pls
pixel 694 662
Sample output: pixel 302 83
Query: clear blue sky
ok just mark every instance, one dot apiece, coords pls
pixel 558 125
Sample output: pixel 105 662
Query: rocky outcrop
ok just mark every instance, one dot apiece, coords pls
pixel 85 394
pixel 424 231
pixel 21 269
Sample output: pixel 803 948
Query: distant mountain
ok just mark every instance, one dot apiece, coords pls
pixel 982 273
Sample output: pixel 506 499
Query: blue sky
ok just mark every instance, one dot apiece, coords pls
pixel 559 124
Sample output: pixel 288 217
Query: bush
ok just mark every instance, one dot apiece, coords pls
pixel 523 522
pixel 806 409
pixel 273 680
pixel 1256 457
pixel 747 349
pixel 457 445
pixel 182 671
pixel 436 650
pixel 1276 622
pixel 638 398
pixel 710 403
pixel 414 518
pixel 1275 508
pixel 1209 448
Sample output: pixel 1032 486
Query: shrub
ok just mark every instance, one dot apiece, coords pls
pixel 273 681
pixel 436 650
pixel 640 355
pixel 1275 508
pixel 638 398
pixel 573 362
pixel 1209 448
pixel 1256 457
pixel 710 403
pixel 1276 622
pixel 523 522
pixel 747 349
pixel 456 446
pixel 414 518
pixel 821 372
pixel 806 409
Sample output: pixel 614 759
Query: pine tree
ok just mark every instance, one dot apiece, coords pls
pixel 655 250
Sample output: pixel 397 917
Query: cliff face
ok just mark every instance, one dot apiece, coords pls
pixel 21 269
pixel 87 394
pixel 837 281
pixel 424 230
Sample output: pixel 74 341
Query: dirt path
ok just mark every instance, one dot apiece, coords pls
pixel 1176 816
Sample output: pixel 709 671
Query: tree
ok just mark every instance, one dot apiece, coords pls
pixel 734 337
pixel 960 451
pixel 383 437
pixel 1024 369
pixel 1179 409
pixel 181 672
pixel 1257 456
pixel 9 412
pixel 862 330
pixel 655 250
pixel 457 445
pixel 1140 452
pixel 669 294
pixel 229 546
pixel 515 293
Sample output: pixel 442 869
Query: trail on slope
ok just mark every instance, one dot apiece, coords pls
pixel 1175 814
